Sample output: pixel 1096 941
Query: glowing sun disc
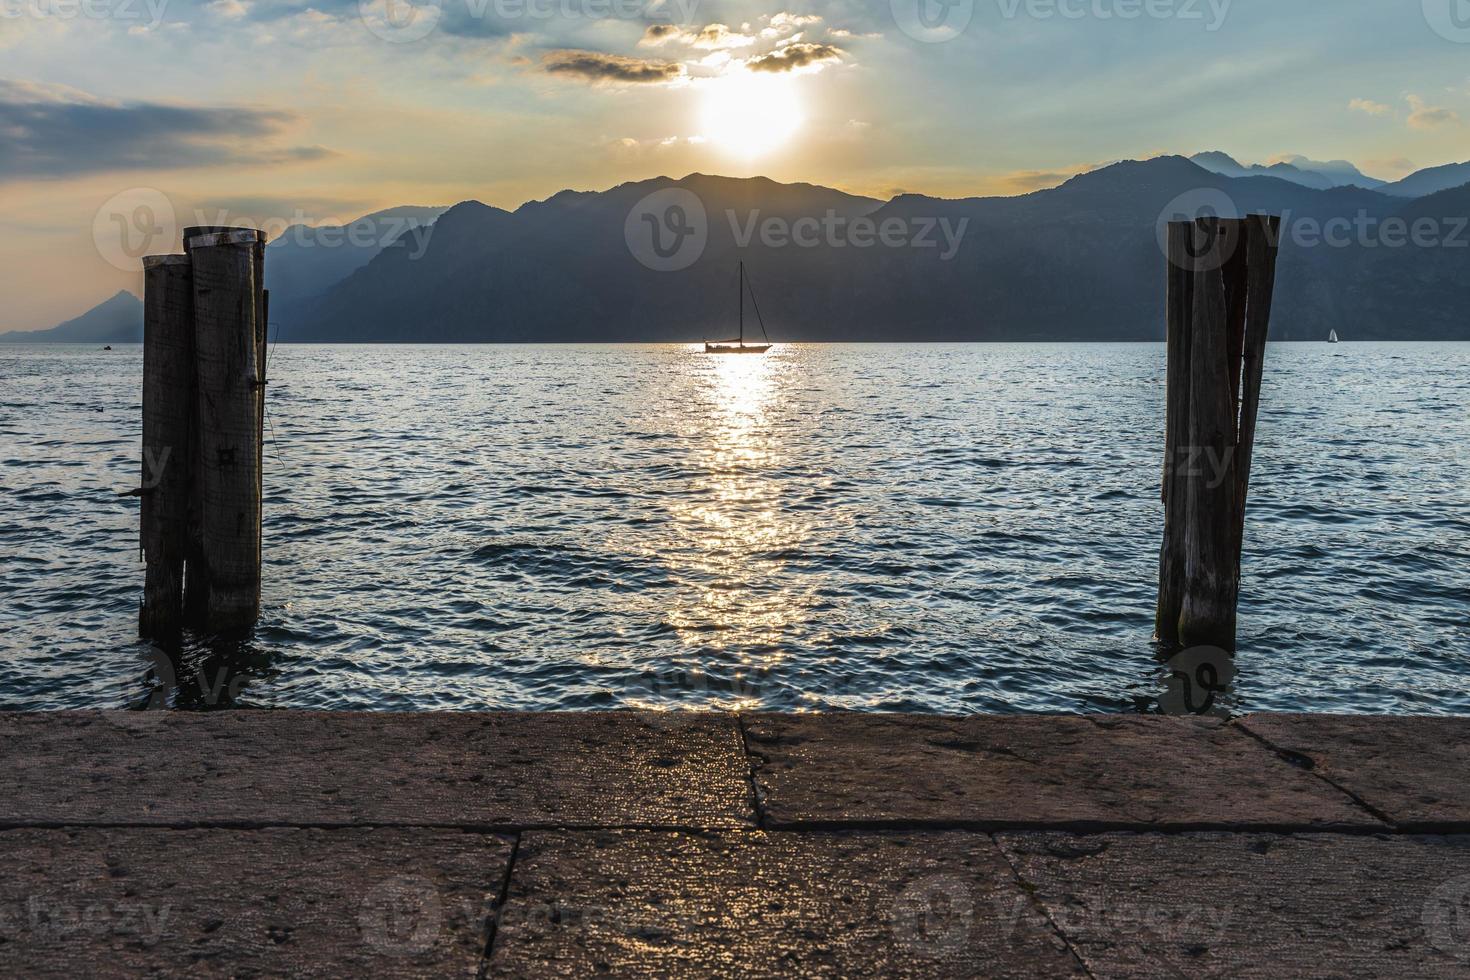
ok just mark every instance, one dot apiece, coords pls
pixel 750 113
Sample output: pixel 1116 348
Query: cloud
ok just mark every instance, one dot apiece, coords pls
pixel 1422 116
pixel 720 36
pixel 598 67
pixel 1369 107
pixel 53 131
pixel 657 34
pixel 793 56
pixel 231 9
pixel 784 23
pixel 710 37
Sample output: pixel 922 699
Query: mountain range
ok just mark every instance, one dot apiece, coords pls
pixel 1076 262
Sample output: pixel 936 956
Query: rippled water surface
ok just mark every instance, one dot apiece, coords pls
pixel 926 528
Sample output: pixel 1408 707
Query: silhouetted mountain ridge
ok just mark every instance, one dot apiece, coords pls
pixel 1077 262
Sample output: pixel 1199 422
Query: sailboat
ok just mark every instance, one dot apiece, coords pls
pixel 1332 336
pixel 738 345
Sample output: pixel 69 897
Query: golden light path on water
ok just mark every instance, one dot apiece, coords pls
pixel 729 538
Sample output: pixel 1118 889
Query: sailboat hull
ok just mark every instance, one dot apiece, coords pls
pixel 736 348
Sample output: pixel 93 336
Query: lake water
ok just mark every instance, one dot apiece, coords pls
pixel 897 527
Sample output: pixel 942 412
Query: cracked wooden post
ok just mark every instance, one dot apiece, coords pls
pixel 1220 284
pixel 227 306
pixel 168 434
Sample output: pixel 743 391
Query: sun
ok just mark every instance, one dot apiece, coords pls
pixel 750 113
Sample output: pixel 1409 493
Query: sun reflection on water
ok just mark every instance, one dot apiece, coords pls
pixel 731 536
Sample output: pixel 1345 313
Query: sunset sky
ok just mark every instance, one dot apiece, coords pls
pixel 273 110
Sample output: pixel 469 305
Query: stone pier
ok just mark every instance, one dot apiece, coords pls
pixel 522 845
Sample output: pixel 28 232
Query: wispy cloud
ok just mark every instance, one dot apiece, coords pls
pixel 1425 116
pixel 1369 107
pixel 595 66
pixel 56 131
pixel 800 54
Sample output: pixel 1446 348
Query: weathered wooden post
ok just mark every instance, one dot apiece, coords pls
pixel 168 438
pixel 227 307
pixel 1220 283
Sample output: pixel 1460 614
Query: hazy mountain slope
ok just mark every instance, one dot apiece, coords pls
pixel 1430 181
pixel 118 320
pixel 1341 172
pixel 1227 166
pixel 304 261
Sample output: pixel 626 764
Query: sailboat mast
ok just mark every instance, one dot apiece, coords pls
pixel 741 286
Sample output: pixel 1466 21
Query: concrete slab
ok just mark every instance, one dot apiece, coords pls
pixel 1415 771
pixel 484 770
pixel 638 903
pixel 1254 905
pixel 278 902
pixel 1108 772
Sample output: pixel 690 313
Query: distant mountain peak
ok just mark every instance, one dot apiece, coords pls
pixel 116 320
pixel 1217 157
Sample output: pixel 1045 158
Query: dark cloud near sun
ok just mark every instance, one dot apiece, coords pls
pixel 598 67
pixel 58 132
pixel 794 56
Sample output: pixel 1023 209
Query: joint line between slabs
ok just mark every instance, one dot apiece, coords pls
pixel 1034 897
pixel 1285 755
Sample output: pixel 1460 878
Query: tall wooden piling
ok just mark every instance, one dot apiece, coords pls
pixel 227 307
pixel 1221 276
pixel 168 439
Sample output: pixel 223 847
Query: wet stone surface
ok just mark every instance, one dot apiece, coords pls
pixel 1255 905
pixel 484 770
pixel 761 904
pixel 299 902
pixel 991 772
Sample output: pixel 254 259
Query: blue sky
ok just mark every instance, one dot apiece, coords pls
pixel 274 110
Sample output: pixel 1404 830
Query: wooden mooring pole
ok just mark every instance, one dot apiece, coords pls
pixel 204 394
pixel 168 440
pixel 226 321
pixel 1221 276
